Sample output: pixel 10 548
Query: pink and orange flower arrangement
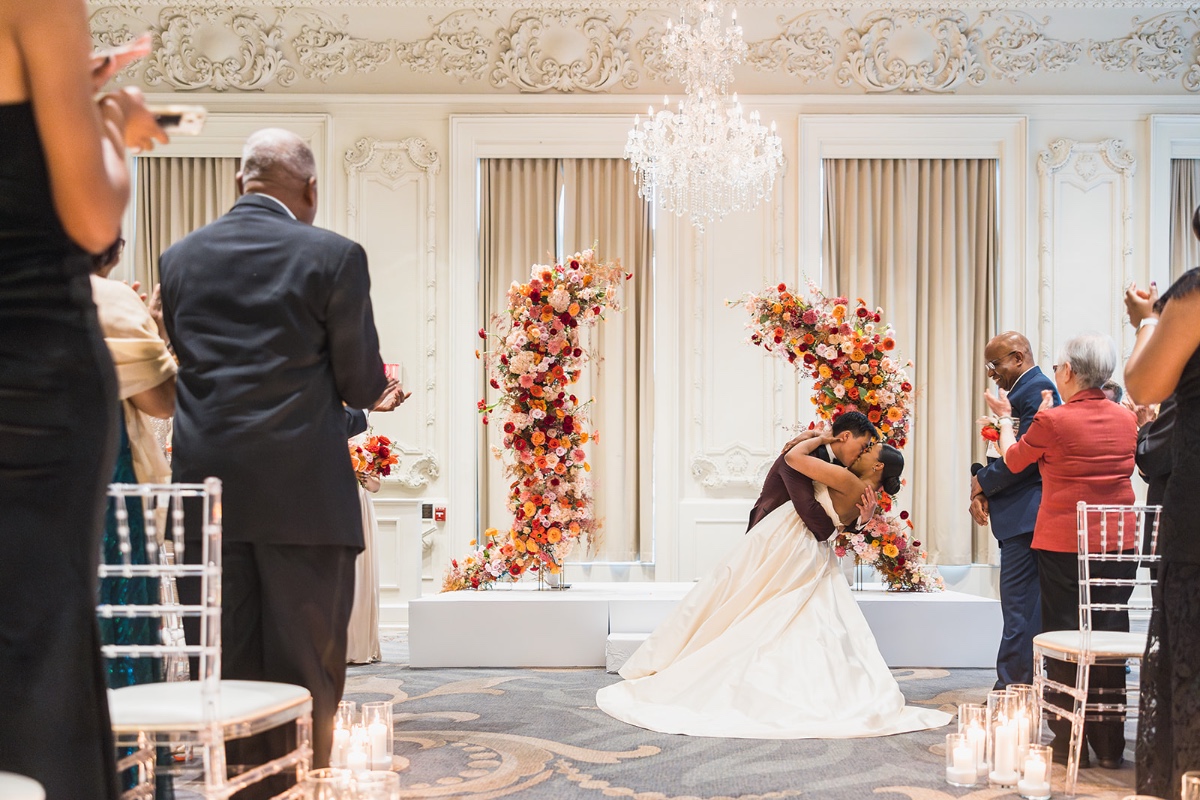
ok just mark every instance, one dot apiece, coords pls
pixel 849 352
pixel 534 359
pixel 373 456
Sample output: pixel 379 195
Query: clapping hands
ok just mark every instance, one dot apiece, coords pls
pixel 998 403
pixel 392 396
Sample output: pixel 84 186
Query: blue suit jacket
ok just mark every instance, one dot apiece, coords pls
pixel 1013 500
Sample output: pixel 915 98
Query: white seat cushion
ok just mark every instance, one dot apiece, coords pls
pixel 176 706
pixel 18 787
pixel 1108 644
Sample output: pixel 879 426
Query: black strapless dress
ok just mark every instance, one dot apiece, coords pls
pixel 1169 727
pixel 58 413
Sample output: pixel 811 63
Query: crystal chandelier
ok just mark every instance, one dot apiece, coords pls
pixel 706 158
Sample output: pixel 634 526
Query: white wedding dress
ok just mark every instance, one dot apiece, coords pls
pixel 770 645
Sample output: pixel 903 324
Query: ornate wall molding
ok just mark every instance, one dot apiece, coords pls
pixel 324 49
pixel 805 49
pixel 256 60
pixel 582 48
pixel 393 163
pixel 739 467
pixel 1084 166
pixel 952 59
pixel 667 5
pixel 456 48
pixel 526 61
pixel 1157 47
pixel 1020 47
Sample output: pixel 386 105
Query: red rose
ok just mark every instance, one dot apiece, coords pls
pixel 906 387
pixel 991 434
pixel 509 427
pixel 900 561
pixel 916 543
pixel 862 312
pixel 519 444
pixel 903 515
pixel 782 287
pixel 514 569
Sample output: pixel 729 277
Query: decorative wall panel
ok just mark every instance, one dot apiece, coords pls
pixel 392 211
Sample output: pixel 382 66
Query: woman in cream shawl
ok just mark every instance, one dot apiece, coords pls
pixel 146 382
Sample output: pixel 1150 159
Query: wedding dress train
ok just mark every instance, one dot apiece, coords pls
pixel 770 645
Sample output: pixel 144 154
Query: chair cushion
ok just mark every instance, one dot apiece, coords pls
pixel 177 706
pixel 18 787
pixel 1108 644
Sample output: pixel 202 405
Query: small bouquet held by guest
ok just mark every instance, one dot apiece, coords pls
pixel 372 459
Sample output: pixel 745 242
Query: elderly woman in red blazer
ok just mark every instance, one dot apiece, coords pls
pixel 1084 449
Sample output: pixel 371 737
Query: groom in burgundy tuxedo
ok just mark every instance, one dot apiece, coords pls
pixel 853 434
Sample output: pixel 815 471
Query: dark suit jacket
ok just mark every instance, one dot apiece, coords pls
pixel 271 320
pixel 356 422
pixel 783 484
pixel 1013 500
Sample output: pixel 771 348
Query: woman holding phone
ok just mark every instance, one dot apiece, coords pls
pixel 63 189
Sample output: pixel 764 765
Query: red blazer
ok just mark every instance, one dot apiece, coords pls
pixel 1085 451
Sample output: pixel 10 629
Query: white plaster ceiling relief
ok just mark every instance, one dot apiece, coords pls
pixel 217 48
pixel 913 51
pixel 392 163
pixel 538 52
pixel 805 49
pixel 456 48
pixel 324 49
pixel 1020 47
pixel 1157 47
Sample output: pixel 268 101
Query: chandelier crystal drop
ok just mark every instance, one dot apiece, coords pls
pixel 706 158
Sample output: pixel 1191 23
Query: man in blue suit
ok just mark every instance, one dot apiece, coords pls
pixel 1011 502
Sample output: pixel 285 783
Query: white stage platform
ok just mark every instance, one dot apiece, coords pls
pixel 601 624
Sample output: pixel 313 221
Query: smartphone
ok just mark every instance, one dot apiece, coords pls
pixel 180 120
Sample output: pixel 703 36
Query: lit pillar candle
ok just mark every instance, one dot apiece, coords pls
pixel 377 736
pixel 1035 783
pixel 341 742
pixel 1004 771
pixel 977 737
pixel 962 771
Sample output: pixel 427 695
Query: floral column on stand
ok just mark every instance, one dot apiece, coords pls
pixel 534 357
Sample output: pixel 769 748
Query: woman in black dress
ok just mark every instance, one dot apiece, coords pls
pixel 1166 360
pixel 63 189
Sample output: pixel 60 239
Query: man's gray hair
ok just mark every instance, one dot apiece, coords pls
pixel 274 155
pixel 1092 356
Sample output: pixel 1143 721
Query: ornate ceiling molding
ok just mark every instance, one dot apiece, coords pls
pixel 592 50
pixel 527 63
pixel 952 59
pixel 1019 47
pixel 805 49
pixel 255 60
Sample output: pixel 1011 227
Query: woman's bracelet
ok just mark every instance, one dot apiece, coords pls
pixel 1148 322
pixel 1003 420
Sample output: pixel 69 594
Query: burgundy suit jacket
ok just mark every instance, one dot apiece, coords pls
pixel 783 484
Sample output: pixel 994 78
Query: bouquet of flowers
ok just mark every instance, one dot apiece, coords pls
pixel 372 457
pixel 847 349
pixel 886 543
pixel 534 359
pixel 989 429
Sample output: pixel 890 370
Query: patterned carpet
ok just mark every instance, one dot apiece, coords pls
pixel 477 734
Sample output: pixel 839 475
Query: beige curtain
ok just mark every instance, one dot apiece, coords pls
pixel 918 237
pixel 518 197
pixel 603 209
pixel 174 197
pixel 1185 196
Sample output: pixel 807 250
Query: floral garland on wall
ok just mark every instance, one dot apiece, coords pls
pixel 534 359
pixel 847 352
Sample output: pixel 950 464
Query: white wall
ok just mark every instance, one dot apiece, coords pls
pixel 720 404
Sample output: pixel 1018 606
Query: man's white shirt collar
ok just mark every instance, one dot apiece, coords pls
pixel 1018 380
pixel 277 200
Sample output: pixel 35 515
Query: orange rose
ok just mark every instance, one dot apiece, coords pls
pixel 538 437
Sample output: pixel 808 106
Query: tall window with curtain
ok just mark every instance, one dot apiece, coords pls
pixel 919 238
pixel 174 196
pixel 531 210
pixel 1185 196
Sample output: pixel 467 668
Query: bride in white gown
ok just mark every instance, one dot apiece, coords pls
pixel 771 644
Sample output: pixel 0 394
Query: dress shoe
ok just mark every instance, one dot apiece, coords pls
pixel 1110 763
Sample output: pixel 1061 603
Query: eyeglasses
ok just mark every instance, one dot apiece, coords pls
pixel 990 366
pixel 1056 366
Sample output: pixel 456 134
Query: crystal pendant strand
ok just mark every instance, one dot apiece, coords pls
pixel 706 158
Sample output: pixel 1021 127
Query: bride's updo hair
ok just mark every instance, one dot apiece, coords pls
pixel 893 467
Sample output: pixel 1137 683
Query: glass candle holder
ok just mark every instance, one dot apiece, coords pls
pixel 961 763
pixel 1035 771
pixel 1190 789
pixel 377 719
pixel 377 785
pixel 972 721
pixel 343 721
pixel 1003 738
pixel 1027 717
pixel 328 784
